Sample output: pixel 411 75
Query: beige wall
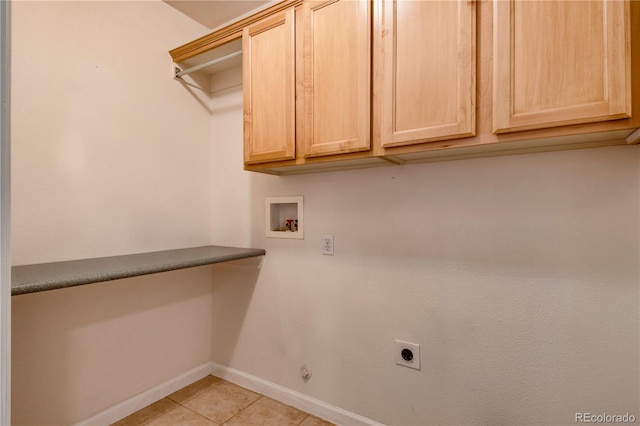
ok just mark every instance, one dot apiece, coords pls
pixel 518 276
pixel 110 156
pixel 79 351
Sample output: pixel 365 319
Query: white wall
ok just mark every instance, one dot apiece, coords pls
pixel 519 277
pixel 110 156
pixel 79 351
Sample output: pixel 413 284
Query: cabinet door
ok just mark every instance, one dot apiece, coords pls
pixel 425 61
pixel 269 89
pixel 560 62
pixel 335 55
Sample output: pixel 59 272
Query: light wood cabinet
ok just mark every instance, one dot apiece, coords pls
pixel 560 62
pixel 342 84
pixel 268 89
pixel 425 58
pixel 551 75
pixel 334 83
pixel 319 54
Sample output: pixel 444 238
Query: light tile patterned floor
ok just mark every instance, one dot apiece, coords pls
pixel 212 402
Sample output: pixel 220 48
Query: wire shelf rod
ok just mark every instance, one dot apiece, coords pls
pixel 179 73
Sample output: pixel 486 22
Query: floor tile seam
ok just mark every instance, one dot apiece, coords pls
pixel 303 420
pixel 272 399
pixel 242 409
pixel 260 396
pixel 164 413
pixel 198 393
pixel 199 414
pixel 289 406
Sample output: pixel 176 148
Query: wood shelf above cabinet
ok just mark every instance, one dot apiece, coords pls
pixel 231 32
pixel 222 58
pixel 222 42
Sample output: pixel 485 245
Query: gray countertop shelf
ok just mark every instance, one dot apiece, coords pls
pixel 50 276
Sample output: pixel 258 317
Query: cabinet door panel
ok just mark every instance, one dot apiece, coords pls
pixel 559 63
pixel 426 59
pixel 336 80
pixel 268 85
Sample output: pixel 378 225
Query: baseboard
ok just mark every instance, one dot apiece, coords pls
pixel 141 400
pixel 290 397
pixel 287 396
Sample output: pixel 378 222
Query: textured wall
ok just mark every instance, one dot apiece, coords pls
pixel 110 156
pixel 109 152
pixel 81 350
pixel 518 276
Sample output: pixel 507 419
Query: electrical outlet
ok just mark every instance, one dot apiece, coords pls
pixel 327 244
pixel 408 354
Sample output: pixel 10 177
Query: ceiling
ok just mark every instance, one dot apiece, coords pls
pixel 215 13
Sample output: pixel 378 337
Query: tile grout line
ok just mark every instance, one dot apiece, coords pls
pixel 264 396
pixel 200 415
pixel 199 393
pixel 242 409
pixel 163 414
pixel 194 396
pixel 303 420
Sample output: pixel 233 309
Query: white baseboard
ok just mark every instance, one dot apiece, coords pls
pixel 141 400
pixel 287 396
pixel 290 397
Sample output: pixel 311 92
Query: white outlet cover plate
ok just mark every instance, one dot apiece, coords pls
pixel 327 244
pixel 413 347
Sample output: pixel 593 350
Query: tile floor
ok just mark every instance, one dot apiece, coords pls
pixel 213 401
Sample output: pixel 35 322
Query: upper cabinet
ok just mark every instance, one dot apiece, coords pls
pixel 560 62
pixel 341 84
pixel 425 58
pixel 307 82
pixel 334 78
pixel 268 89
